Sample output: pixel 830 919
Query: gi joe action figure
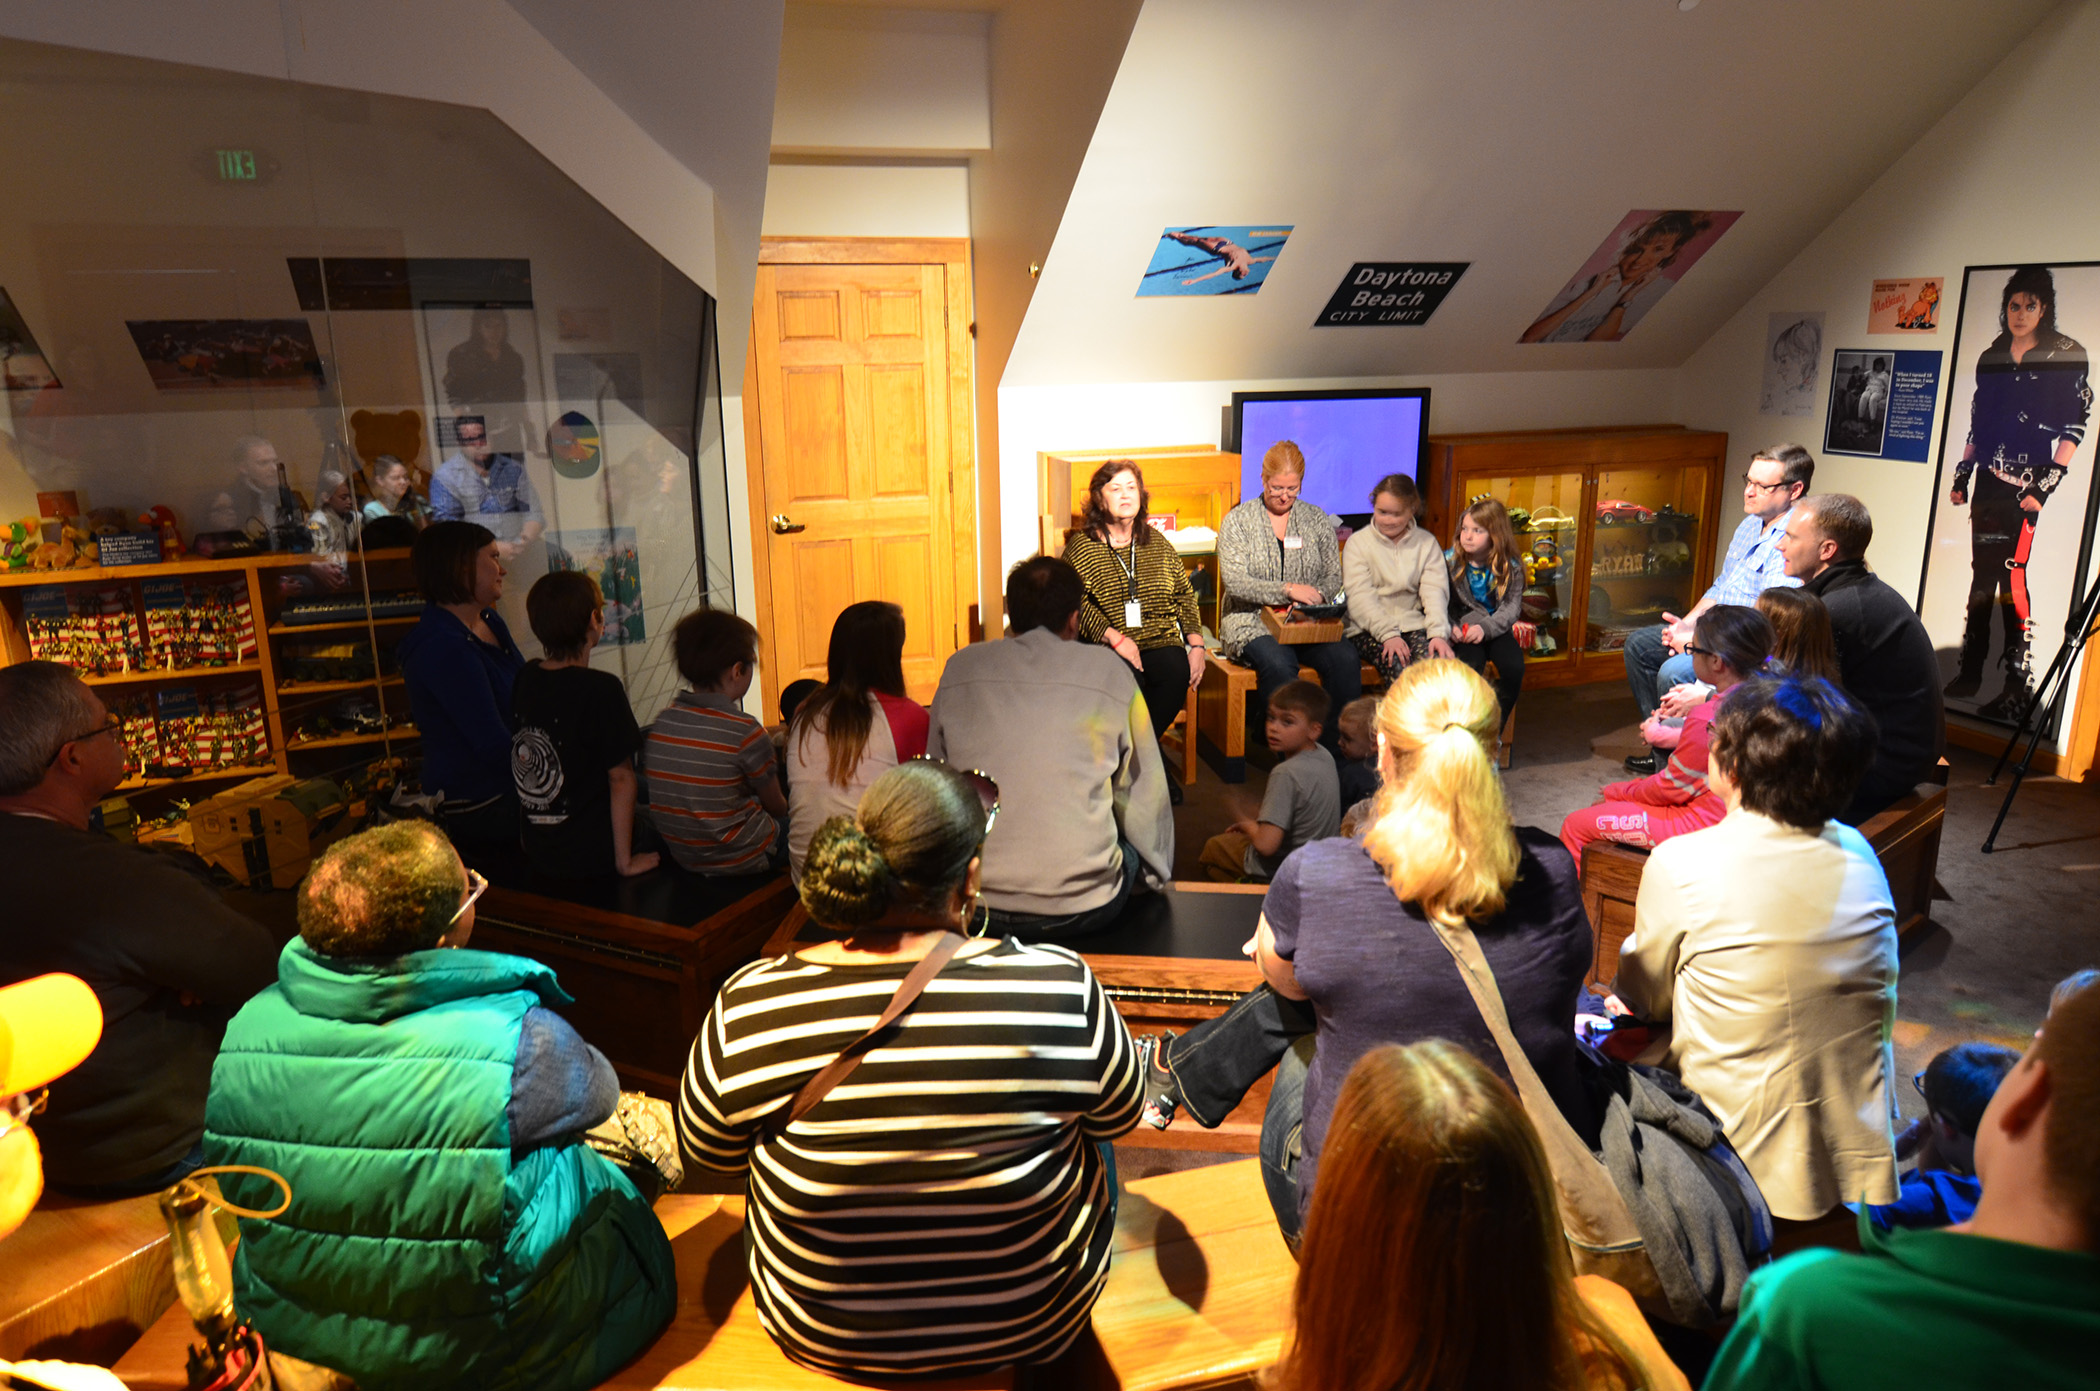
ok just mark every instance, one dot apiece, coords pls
pixel 2025 422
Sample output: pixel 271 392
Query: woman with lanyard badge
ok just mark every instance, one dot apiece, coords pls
pixel 1138 599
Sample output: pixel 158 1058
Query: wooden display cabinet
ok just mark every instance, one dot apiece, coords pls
pixel 1624 526
pixel 288 701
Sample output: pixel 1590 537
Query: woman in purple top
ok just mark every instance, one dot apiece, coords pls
pixel 1351 960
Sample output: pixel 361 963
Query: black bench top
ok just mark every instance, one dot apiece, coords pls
pixel 1185 926
pixel 667 895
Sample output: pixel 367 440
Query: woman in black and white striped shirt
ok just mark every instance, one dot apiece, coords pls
pixel 948 1207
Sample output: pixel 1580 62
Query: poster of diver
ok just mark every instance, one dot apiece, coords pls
pixel 2009 548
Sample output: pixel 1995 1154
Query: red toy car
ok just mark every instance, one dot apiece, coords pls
pixel 1615 511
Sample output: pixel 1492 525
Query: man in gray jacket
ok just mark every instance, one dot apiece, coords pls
pixel 1061 726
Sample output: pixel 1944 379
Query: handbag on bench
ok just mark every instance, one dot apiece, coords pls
pixel 1669 1212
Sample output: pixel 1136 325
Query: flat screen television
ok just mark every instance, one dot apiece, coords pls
pixel 1350 440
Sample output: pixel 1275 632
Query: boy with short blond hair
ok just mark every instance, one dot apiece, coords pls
pixel 1358 748
pixel 1302 801
pixel 713 791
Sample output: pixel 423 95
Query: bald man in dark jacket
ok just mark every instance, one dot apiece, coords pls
pixel 1885 656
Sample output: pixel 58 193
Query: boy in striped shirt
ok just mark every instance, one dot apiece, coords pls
pixel 713 791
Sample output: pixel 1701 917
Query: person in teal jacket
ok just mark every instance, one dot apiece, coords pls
pixel 448 1226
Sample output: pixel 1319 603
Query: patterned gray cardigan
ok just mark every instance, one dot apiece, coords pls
pixel 1254 567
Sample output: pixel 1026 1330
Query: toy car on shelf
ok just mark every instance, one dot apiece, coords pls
pixel 1618 512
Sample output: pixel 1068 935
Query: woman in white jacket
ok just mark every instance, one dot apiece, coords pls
pixel 1398 587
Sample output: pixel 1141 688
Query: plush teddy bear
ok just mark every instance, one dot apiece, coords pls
pixel 19 542
pixel 399 433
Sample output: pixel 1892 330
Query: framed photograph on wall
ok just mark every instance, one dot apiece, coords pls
pixel 2010 543
pixel 1859 402
pixel 484 360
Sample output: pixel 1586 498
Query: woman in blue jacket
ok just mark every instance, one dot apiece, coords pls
pixel 448 1225
pixel 459 663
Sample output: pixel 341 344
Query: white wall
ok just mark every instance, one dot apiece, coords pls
pixel 868 200
pixel 1138 414
pixel 2003 178
pixel 411 48
pixel 883 79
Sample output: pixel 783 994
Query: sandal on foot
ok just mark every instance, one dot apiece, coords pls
pixel 1161 1100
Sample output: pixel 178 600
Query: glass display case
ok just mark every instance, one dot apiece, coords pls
pixel 255 334
pixel 1616 527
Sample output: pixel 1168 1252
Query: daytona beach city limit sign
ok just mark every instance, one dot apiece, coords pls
pixel 1376 293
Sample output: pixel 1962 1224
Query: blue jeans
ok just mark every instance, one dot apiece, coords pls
pixel 1283 1137
pixel 1652 669
pixel 1055 927
pixel 1215 1063
pixel 1337 664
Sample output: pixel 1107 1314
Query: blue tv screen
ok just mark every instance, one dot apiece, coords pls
pixel 1350 440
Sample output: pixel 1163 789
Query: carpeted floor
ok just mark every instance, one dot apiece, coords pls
pixel 2011 926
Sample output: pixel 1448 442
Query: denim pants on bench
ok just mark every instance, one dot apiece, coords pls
pixel 1215 1063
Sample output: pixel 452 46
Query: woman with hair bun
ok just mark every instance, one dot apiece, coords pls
pixel 948 1209
pixel 1349 957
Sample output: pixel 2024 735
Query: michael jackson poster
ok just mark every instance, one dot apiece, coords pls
pixel 2010 545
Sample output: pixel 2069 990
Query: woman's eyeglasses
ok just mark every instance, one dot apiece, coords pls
pixel 476 887
pixel 980 782
pixel 1693 649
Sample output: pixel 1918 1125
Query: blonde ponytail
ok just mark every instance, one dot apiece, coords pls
pixel 1441 830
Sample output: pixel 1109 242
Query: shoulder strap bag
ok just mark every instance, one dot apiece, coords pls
pixel 1602 1234
pixel 838 1069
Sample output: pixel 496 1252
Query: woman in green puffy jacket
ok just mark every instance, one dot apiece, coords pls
pixel 448 1225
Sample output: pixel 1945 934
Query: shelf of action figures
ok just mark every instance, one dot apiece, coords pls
pixel 337 741
pixel 131 678
pixel 190 565
pixel 231 770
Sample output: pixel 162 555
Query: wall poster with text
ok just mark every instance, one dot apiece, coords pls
pixel 2010 543
pixel 1881 403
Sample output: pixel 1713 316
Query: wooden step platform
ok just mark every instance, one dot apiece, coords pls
pixel 80 1280
pixel 1200 1292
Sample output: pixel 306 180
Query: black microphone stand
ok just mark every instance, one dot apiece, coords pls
pixel 2047 704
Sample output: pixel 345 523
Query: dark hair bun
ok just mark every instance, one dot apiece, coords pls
pixel 846 882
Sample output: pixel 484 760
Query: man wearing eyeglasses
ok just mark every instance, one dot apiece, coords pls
pixel 1656 660
pixel 476 484
pixel 169 961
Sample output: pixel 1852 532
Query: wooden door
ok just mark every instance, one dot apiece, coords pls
pixel 856 390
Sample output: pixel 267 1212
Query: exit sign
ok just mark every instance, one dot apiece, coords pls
pixel 251 168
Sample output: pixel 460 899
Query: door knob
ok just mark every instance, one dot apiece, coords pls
pixel 783 527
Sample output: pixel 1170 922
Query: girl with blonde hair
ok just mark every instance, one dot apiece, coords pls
pixel 1487 597
pixel 1350 959
pixel 1433 1255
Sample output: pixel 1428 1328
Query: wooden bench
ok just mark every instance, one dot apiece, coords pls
pixel 714 1342
pixel 643 957
pixel 1200 1291
pixel 80 1280
pixel 1170 963
pixel 1905 837
pixel 1221 712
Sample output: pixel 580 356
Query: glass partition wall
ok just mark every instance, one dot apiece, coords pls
pixel 256 333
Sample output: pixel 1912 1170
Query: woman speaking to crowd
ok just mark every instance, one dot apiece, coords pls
pixel 1138 599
